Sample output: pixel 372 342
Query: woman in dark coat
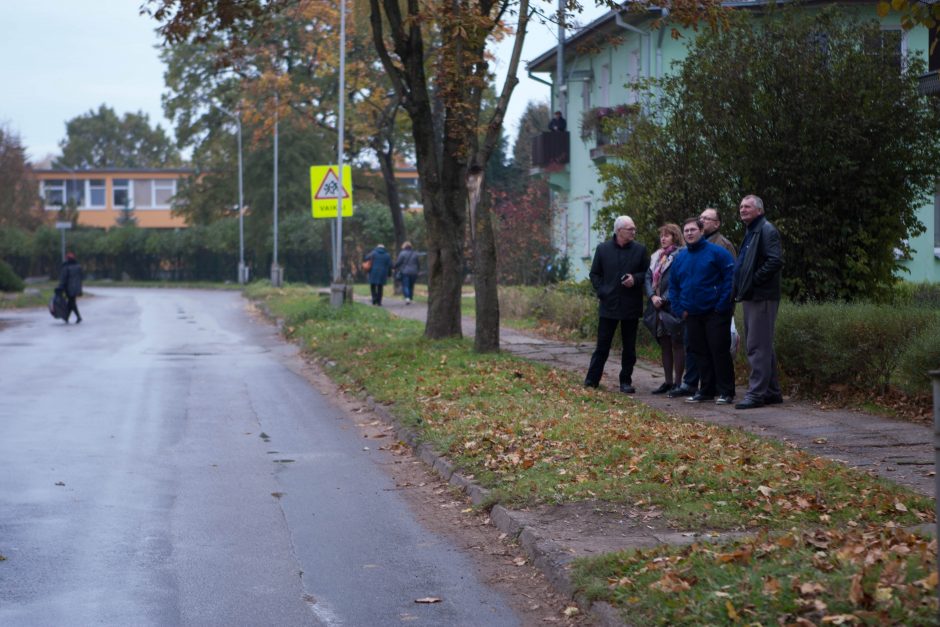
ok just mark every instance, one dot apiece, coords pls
pixel 70 283
pixel 378 273
pixel 407 264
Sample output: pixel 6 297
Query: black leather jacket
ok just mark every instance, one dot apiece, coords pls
pixel 757 273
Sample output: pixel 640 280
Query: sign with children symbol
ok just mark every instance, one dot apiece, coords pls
pixel 325 188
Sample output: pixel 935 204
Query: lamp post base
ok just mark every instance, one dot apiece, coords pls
pixel 277 275
pixel 337 294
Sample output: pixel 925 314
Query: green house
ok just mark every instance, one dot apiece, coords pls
pixel 591 76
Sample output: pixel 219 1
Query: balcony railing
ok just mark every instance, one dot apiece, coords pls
pixel 550 149
pixel 930 83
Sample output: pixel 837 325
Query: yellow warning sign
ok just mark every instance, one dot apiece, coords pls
pixel 325 189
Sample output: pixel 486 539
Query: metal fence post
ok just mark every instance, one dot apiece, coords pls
pixel 935 377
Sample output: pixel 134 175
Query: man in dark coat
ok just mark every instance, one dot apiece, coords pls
pixel 617 274
pixel 757 287
pixel 70 283
pixel 558 123
pixel 378 273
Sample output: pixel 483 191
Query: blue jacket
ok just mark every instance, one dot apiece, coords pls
pixel 700 280
pixel 381 265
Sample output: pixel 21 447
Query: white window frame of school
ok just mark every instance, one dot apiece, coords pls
pixel 586 253
pixel 125 185
pixel 93 188
pixel 167 187
pixel 63 186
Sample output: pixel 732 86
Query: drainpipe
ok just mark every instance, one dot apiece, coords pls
pixel 659 51
pixel 643 34
pixel 560 59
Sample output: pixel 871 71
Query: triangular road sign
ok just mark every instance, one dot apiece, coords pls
pixel 329 187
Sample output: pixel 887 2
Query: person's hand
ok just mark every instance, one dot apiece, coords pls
pixel 627 281
pixel 657 302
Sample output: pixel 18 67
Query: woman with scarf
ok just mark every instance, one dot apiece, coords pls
pixel 665 327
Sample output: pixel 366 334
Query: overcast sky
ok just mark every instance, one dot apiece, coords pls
pixel 63 58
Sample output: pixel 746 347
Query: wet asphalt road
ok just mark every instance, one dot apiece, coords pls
pixel 164 463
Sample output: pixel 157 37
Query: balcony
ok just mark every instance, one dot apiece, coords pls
pixel 550 150
pixel 606 143
pixel 930 83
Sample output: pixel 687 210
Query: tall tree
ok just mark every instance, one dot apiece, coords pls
pixel 101 139
pixel 19 191
pixel 825 125
pixel 534 120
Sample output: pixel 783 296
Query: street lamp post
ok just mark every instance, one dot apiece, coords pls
pixel 242 269
pixel 277 274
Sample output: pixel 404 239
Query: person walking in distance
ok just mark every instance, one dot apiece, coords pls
pixel 70 283
pixel 618 275
pixel 700 292
pixel 407 265
pixel 378 273
pixel 757 287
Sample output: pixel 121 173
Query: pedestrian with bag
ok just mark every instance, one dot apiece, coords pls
pixel 380 265
pixel 407 266
pixel 70 284
pixel 667 329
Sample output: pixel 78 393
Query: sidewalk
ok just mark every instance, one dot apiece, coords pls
pixel 552 535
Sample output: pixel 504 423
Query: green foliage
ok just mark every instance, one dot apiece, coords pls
pixel 920 356
pixel 9 281
pixel 917 295
pixel 101 139
pixel 750 111
pixel 823 347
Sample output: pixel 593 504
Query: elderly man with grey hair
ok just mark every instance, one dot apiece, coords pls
pixel 617 274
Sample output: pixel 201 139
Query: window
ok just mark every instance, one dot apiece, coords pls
pixel 142 194
pixel 53 191
pixel 75 193
pixel 121 193
pixel 96 193
pixel 605 85
pixel 163 192
pixel 633 75
pixel 585 95
pixel 587 229
pixel 892 42
pixel 933 50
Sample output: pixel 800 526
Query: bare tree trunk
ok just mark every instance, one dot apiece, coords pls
pixel 387 165
pixel 486 338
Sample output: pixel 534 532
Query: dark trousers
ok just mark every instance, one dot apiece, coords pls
pixel 760 319
pixel 606 328
pixel 73 307
pixel 690 378
pixel 710 343
pixel 376 289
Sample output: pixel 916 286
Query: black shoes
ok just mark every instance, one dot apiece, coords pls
pixel 626 388
pixel 700 398
pixel 590 384
pixel 724 399
pixel 680 391
pixel 749 403
pixel 665 387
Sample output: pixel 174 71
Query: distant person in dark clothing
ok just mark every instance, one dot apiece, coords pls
pixel 558 123
pixel 618 275
pixel 407 265
pixel 378 273
pixel 70 284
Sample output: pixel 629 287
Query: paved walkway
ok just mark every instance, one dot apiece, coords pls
pixel 900 451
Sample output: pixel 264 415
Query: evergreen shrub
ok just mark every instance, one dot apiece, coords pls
pixel 9 281
pixel 824 346
pixel 921 355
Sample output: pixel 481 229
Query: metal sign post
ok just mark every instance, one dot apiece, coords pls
pixel 63 227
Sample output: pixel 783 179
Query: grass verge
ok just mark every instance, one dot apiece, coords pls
pixel 533 435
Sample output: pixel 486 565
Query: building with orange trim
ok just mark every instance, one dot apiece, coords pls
pixel 102 196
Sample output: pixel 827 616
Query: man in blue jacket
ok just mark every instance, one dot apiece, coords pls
pixel 618 273
pixel 700 292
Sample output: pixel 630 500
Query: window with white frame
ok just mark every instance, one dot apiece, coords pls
pixel 152 193
pixel 587 229
pixel 633 75
pixel 605 85
pixel 96 194
pixel 121 193
pixel 59 192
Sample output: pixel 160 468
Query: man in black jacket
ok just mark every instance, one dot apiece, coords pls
pixel 617 274
pixel 757 287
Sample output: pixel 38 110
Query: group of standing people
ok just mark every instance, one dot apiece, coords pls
pixel 406 267
pixel 691 284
